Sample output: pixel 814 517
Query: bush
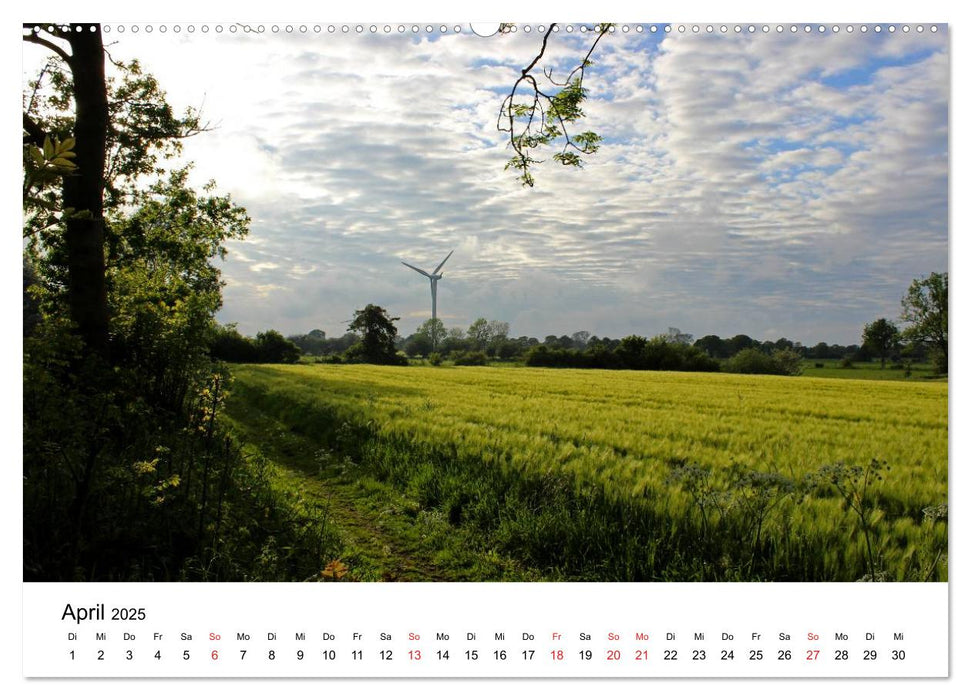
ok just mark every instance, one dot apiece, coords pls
pixel 633 352
pixel 752 361
pixel 472 357
pixel 435 359
pixel 330 359
pixel 789 362
pixel 227 344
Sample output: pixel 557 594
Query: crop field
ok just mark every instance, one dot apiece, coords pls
pixel 600 475
pixel 833 369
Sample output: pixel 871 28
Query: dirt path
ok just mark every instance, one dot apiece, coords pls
pixel 385 537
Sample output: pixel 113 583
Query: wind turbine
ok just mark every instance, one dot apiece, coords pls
pixel 433 278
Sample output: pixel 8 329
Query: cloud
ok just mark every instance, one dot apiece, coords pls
pixel 766 183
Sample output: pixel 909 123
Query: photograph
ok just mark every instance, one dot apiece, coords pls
pixel 342 303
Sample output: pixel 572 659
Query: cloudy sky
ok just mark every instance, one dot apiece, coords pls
pixel 768 183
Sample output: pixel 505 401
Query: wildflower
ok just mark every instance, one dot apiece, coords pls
pixel 335 570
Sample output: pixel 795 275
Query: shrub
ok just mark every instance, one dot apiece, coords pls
pixel 472 357
pixel 788 362
pixel 332 359
pixel 752 361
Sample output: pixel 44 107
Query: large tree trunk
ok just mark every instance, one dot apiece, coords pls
pixel 83 191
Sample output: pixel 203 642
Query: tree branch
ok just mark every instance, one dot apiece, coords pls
pixel 556 112
pixel 34 39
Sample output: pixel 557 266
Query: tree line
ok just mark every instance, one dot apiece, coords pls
pixel 373 337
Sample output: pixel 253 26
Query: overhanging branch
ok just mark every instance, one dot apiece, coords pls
pixel 34 39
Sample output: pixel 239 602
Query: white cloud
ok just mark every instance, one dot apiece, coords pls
pixel 753 184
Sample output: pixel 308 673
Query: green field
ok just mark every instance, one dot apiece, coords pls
pixel 833 369
pixel 600 475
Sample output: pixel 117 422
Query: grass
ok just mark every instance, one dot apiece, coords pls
pixel 378 534
pixel 637 475
pixel 832 369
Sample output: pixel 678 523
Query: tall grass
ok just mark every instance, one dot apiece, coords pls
pixel 671 478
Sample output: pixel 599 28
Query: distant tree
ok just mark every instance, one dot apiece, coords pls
pixel 454 341
pixel 925 309
pixel 498 330
pixel 344 343
pixel 754 361
pixel 378 334
pixel 434 330
pixel 272 347
pixel 738 343
pixel 674 335
pixel 472 358
pixel 788 362
pixel 228 344
pixel 882 338
pixel 819 351
pixel 713 345
pixel 419 345
pixel 751 361
pixel 580 339
pixel 631 351
pixel 478 334
pixel 313 343
pixel 508 349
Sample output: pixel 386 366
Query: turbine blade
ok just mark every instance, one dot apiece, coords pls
pixel 416 269
pixel 442 263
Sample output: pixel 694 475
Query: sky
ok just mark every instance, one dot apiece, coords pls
pixel 777 184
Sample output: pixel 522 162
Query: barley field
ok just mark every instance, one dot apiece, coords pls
pixel 613 475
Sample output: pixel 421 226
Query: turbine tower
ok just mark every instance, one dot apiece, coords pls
pixel 433 278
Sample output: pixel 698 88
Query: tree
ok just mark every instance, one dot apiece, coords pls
pixel 272 347
pixel 713 345
pixel 925 309
pixel 882 338
pixel 419 345
pixel 632 350
pixel 121 252
pixel 478 334
pixel 546 114
pixel 82 188
pixel 498 331
pixel 434 330
pixel 378 334
pixel 675 336
pixel 118 130
pixel 580 339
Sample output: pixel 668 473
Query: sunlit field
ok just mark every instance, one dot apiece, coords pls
pixel 645 475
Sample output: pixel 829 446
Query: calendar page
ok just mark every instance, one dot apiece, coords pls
pixel 359 349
